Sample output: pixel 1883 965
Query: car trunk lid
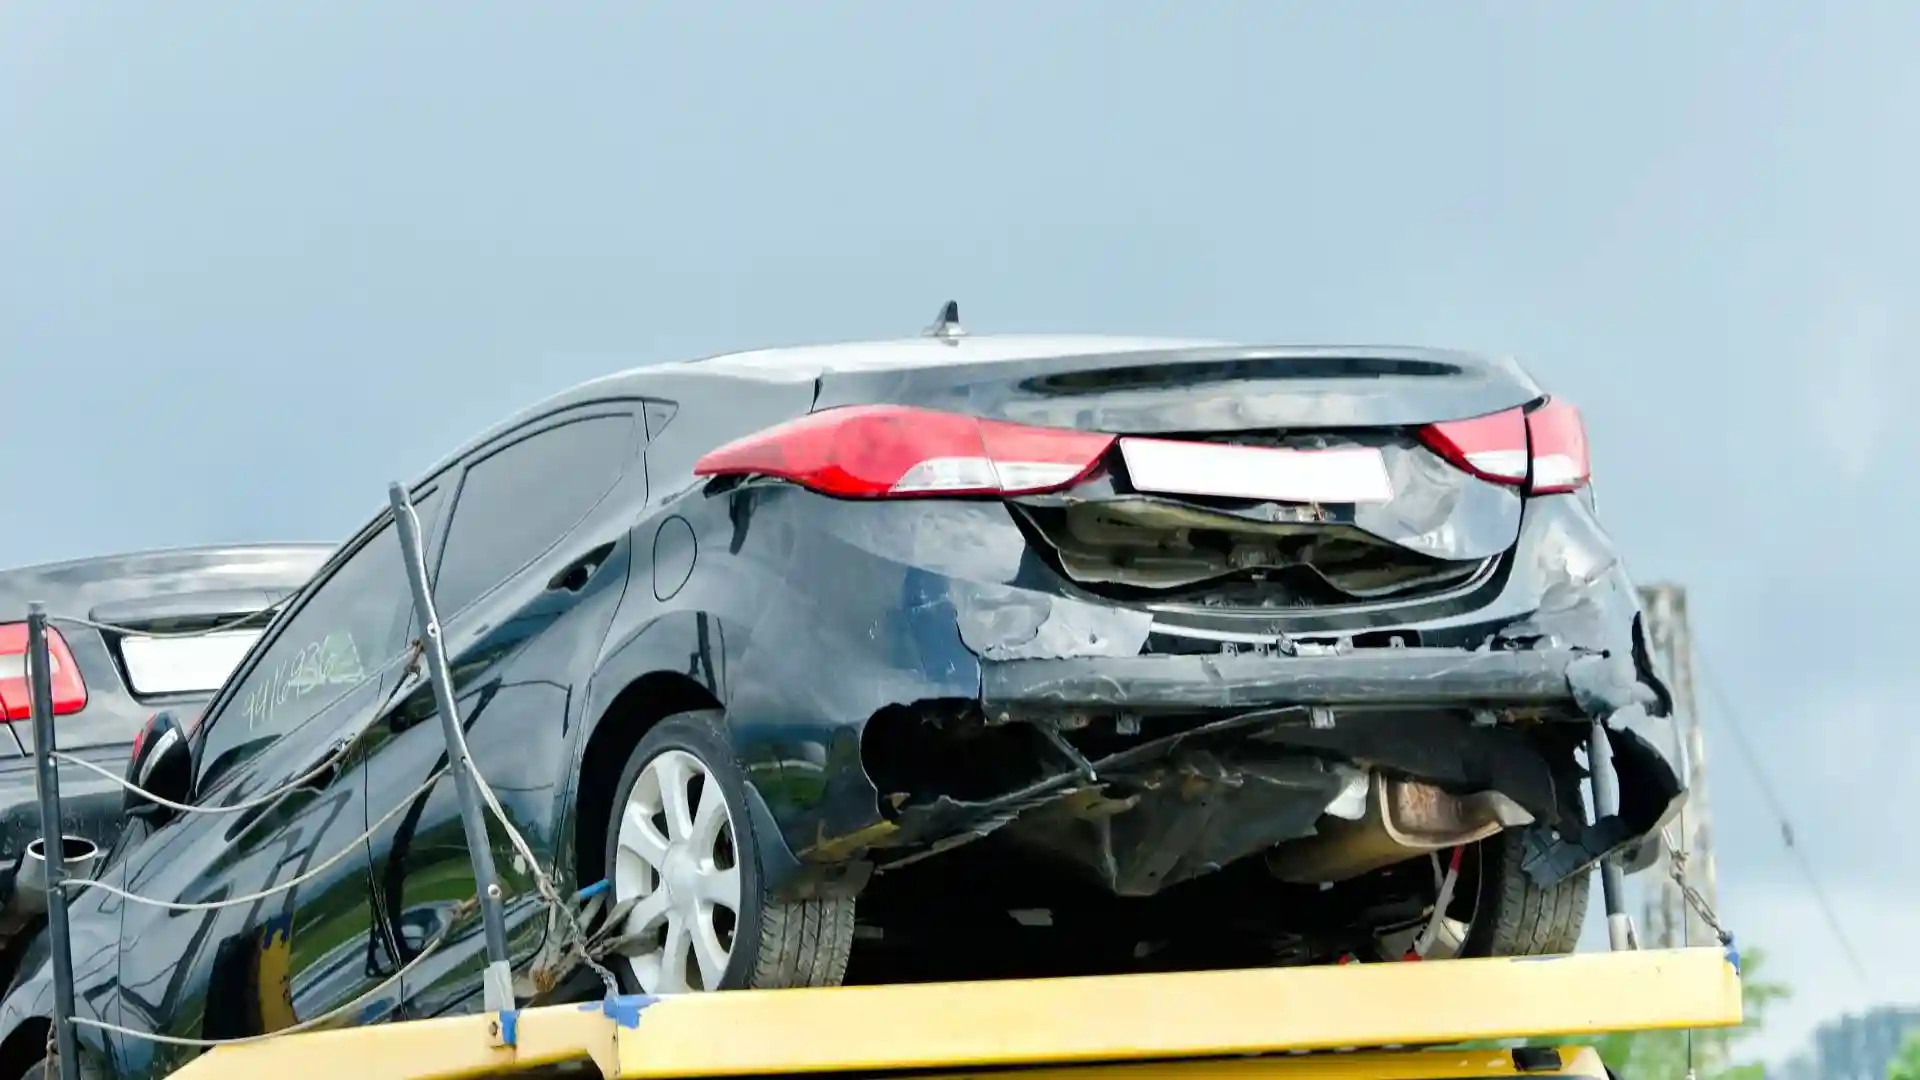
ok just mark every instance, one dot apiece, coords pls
pixel 1246 478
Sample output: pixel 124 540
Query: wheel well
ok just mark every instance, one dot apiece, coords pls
pixel 633 712
pixel 26 1045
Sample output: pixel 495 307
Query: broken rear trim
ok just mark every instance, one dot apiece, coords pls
pixel 1417 676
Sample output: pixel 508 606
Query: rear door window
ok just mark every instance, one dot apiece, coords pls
pixel 519 500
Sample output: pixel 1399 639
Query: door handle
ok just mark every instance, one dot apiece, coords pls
pixel 321 778
pixel 315 777
pixel 575 575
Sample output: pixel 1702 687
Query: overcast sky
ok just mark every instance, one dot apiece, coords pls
pixel 255 261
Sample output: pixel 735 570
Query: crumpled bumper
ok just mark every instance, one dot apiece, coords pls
pixel 1569 681
pixel 1418 676
pixel 938 606
pixel 1562 635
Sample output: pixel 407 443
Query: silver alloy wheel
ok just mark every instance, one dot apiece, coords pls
pixel 677 856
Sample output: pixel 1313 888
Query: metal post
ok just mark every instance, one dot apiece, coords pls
pixel 1670 641
pixel 1606 804
pixel 40 700
pixel 497 983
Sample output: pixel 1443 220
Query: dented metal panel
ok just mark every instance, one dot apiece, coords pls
pixel 1255 681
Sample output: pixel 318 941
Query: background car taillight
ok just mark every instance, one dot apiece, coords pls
pixel 69 692
pixel 1544 450
pixel 882 451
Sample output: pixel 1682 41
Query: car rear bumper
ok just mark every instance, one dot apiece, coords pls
pixel 1568 685
pixel 1383 677
pixel 844 624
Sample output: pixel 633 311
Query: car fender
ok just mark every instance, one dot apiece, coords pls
pixel 783 749
pixel 29 1000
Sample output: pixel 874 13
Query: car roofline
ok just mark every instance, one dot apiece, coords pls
pixel 262 548
pixel 789 365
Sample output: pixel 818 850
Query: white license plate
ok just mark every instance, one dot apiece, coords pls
pixel 1356 474
pixel 187 665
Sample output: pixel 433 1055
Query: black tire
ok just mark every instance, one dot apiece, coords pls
pixel 1512 915
pixel 774 944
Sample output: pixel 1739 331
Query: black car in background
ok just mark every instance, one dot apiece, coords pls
pixel 1129 650
pixel 106 684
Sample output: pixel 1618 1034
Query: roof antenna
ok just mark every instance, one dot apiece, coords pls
pixel 946 325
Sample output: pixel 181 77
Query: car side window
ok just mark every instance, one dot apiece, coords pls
pixel 519 500
pixel 343 632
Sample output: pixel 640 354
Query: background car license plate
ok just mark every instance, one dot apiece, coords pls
pixel 1345 475
pixel 189 665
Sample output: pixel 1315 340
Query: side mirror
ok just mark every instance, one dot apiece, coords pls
pixel 162 763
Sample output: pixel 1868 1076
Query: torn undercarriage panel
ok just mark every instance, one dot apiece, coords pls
pixel 1178 799
pixel 1130 771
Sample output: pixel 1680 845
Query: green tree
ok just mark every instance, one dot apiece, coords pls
pixel 1906 1064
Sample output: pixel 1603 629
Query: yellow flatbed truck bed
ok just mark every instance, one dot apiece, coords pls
pixel 1232 1025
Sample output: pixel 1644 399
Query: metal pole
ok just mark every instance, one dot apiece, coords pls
pixel 497 983
pixel 1606 804
pixel 40 701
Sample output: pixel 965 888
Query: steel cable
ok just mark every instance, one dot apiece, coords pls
pixel 399 659
pixel 470 905
pixel 549 894
pixel 1767 792
pixel 543 882
pixel 81 885
pixel 275 795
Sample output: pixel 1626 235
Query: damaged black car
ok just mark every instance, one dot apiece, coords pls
pixel 941 657
pixel 1206 653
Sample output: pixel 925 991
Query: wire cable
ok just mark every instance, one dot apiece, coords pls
pixel 332 760
pixel 258 618
pixel 543 883
pixel 327 1017
pixel 83 884
pixel 1734 725
pixel 275 795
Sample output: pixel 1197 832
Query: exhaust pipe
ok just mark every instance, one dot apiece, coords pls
pixel 27 900
pixel 1403 819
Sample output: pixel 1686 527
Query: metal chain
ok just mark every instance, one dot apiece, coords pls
pixel 1677 864
pixel 1677 868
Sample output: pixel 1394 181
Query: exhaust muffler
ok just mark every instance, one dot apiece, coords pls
pixel 27 900
pixel 1402 819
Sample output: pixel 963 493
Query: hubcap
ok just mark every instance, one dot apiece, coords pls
pixel 676 856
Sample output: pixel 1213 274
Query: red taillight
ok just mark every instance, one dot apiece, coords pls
pixel 881 451
pixel 1546 449
pixel 1490 447
pixel 69 692
pixel 1559 440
